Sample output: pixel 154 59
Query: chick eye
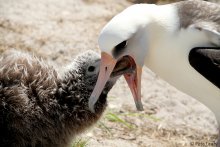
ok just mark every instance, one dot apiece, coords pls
pixel 121 45
pixel 91 68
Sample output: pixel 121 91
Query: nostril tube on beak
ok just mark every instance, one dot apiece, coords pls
pixel 106 67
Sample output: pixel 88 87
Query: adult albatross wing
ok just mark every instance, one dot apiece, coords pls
pixel 207 63
pixel 206 60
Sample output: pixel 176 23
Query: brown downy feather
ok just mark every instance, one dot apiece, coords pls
pixel 40 106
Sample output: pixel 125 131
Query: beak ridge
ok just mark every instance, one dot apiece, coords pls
pixel 106 68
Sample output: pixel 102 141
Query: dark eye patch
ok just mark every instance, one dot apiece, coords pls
pixel 119 48
pixel 121 45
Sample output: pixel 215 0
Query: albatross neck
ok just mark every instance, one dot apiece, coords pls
pixel 167 55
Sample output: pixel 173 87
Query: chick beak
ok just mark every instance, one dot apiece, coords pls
pixel 106 67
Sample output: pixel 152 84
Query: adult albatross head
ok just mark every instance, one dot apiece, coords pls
pixel 160 37
pixel 123 38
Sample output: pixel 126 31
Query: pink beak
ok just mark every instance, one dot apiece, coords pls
pixel 106 68
pixel 134 83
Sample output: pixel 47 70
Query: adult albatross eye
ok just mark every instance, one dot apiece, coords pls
pixel 119 48
pixel 121 45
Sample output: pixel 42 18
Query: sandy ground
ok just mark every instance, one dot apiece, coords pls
pixel 57 30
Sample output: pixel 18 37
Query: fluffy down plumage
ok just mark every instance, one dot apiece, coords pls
pixel 41 106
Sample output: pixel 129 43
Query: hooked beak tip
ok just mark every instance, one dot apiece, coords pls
pixel 91 104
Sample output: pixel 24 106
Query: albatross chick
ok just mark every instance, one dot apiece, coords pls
pixel 40 106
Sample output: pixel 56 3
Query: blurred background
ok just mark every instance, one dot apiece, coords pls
pixel 57 30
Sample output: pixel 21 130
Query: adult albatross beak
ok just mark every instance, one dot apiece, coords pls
pixel 106 67
pixel 134 83
pixel 110 66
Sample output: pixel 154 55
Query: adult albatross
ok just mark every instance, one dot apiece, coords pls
pixel 168 39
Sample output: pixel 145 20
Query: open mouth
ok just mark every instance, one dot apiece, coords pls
pixel 112 68
pixel 125 65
